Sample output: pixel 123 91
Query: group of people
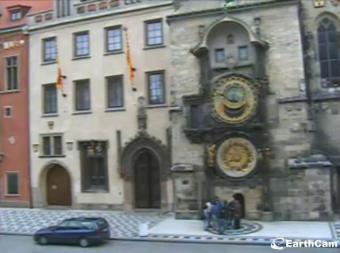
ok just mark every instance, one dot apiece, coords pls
pixel 221 215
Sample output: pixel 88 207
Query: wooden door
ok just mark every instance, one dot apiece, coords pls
pixel 58 187
pixel 147 181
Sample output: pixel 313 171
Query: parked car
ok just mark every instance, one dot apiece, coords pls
pixel 82 230
pixel 317 160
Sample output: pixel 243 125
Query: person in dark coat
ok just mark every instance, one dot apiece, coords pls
pixel 236 210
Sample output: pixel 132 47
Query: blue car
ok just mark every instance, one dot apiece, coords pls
pixel 82 230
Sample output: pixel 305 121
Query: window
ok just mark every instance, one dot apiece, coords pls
pixel 8 111
pixel 12 183
pixel 12 73
pixel 63 8
pixel 154 33
pixel 50 49
pixel 195 116
pixel 156 89
pixel 82 93
pixel 94 166
pixel 219 55
pixel 16 15
pixel 81 44
pixel 52 145
pixel 243 53
pixel 115 93
pixel 114 39
pixel 50 100
pixel 329 51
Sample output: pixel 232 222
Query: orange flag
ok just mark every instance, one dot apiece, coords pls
pixel 131 67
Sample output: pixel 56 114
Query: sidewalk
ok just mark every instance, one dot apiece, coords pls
pixel 124 226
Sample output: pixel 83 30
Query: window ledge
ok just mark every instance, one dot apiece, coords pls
pixel 12 195
pixel 48 115
pixel 81 57
pixel 113 52
pixel 9 91
pixel 48 62
pixel 81 112
pixel 156 106
pixel 154 47
pixel 118 109
pixel 52 156
pixel 95 191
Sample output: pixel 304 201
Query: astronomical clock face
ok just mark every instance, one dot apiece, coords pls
pixel 237 157
pixel 235 100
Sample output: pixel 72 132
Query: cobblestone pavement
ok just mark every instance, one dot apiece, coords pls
pixel 124 226
pixel 27 221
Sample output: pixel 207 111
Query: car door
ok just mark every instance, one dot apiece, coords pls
pixel 60 234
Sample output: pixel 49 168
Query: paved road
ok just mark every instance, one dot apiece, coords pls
pixel 25 244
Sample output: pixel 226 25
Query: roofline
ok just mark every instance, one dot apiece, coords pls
pixel 13 29
pixel 97 16
pixel 234 9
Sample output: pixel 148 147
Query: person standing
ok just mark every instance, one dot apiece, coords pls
pixel 236 213
pixel 207 216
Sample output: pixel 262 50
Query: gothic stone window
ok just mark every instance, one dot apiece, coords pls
pixel 93 160
pixel 329 52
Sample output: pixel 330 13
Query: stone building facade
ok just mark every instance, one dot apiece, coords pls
pixel 320 20
pixel 101 140
pixel 242 115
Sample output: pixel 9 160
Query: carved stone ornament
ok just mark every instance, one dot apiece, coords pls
pixel 235 100
pixel 237 157
pixel 211 151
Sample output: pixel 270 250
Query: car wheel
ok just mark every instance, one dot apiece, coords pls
pixel 42 240
pixel 84 242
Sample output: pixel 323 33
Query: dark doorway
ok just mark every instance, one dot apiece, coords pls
pixel 147 180
pixel 240 198
pixel 58 187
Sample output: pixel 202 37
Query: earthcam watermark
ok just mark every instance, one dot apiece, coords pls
pixel 282 243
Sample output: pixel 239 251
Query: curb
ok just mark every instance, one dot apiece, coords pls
pixel 255 241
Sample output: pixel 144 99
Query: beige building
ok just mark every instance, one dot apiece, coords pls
pixel 102 139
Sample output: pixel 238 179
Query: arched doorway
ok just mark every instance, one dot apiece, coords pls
pixel 240 198
pixel 147 180
pixel 58 185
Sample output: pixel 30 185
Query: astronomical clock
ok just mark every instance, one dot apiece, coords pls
pixel 235 103
pixel 235 100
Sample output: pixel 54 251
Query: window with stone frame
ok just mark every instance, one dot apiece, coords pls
pixel 81 44
pixel 156 88
pixel 82 95
pixel 329 52
pixel 12 183
pixel 219 55
pixel 12 73
pixel 243 53
pixel 115 92
pixel 50 99
pixel 94 169
pixel 52 145
pixel 154 32
pixel 114 39
pixel 50 49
